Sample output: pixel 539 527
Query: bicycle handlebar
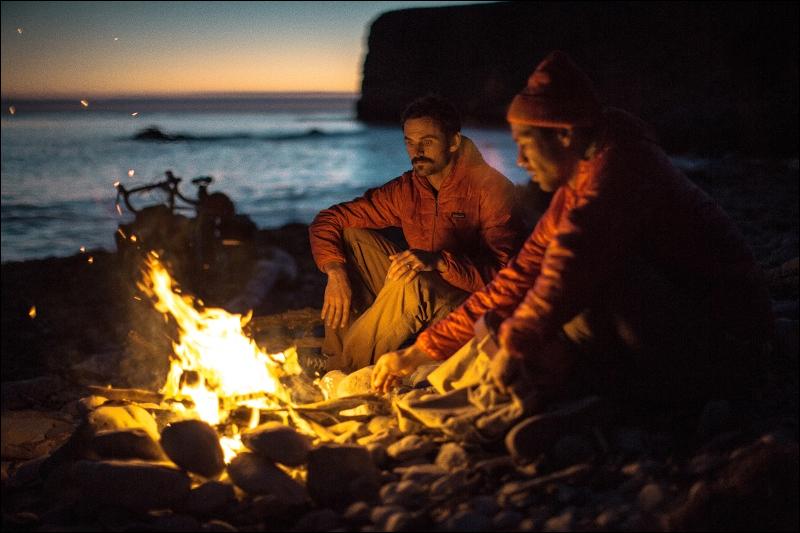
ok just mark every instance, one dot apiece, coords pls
pixel 169 185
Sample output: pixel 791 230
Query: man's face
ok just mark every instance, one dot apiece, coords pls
pixel 542 156
pixel 428 148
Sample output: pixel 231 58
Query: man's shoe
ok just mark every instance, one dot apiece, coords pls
pixel 313 362
pixel 537 434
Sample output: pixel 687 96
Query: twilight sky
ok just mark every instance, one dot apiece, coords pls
pixel 88 49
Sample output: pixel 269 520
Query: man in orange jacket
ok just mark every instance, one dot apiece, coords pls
pixel 633 283
pixel 456 214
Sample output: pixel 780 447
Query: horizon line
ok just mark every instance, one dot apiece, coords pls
pixel 196 95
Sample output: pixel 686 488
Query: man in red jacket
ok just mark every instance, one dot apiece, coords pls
pixel 633 283
pixel 455 212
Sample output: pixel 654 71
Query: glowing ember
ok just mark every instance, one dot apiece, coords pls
pixel 133 238
pixel 20 30
pixel 136 114
pixel 131 172
pixel 119 209
pixel 85 103
pixel 116 38
pixel 90 260
pixel 12 110
pixel 32 312
pixel 215 365
pixel 83 249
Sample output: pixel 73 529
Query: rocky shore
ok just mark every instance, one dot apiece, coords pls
pixel 726 465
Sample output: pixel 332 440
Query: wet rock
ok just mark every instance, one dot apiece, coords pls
pixel 107 417
pixel 135 485
pixel 377 452
pixel 468 521
pixel 485 505
pixel 358 513
pixel 194 445
pixel 358 382
pixel 338 475
pixel 126 444
pixel 319 520
pixel 279 443
pixel 175 522
pixel 650 497
pixel 405 493
pixel 452 457
pixel 256 475
pixel 506 519
pixel 450 484
pixel 424 474
pixel 381 514
pixel 562 522
pixel 217 525
pixel 29 434
pixel 411 447
pixel 404 521
pixel 208 498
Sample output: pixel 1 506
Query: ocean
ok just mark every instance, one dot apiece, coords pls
pixel 280 160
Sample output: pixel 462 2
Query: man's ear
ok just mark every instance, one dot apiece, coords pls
pixel 455 142
pixel 565 136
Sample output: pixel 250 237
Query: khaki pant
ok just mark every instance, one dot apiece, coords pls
pixel 384 314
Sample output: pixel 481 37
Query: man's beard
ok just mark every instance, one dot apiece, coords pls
pixel 422 171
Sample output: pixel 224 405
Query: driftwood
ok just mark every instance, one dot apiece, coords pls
pixel 131 395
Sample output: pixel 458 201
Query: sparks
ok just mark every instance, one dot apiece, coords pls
pixel 85 103
pixel 32 312
pixel 12 110
pixel 133 238
pixel 83 249
pixel 20 30
pixel 119 209
pixel 90 260
pixel 136 114
pixel 131 172
pixel 122 233
pixel 116 38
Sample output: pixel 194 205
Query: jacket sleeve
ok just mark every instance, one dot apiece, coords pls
pixel 590 243
pixel 378 208
pixel 501 295
pixel 499 234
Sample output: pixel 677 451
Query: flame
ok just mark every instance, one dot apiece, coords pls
pixel 215 364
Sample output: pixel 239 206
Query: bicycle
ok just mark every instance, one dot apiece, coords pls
pixel 205 252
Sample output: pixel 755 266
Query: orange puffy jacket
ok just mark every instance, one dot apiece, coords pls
pixel 627 200
pixel 470 221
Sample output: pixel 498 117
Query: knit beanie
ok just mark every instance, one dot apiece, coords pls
pixel 558 95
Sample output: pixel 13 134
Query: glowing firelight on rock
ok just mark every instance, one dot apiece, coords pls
pixel 215 364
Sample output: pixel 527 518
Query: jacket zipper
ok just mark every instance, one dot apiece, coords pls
pixel 435 217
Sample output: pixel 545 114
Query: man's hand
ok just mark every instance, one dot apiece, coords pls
pixel 509 374
pixel 394 366
pixel 406 265
pixel 336 305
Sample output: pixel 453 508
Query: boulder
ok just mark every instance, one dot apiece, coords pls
pixel 135 485
pixel 127 416
pixel 257 475
pixel 339 475
pixel 278 443
pixel 131 443
pixel 411 447
pixel 194 445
